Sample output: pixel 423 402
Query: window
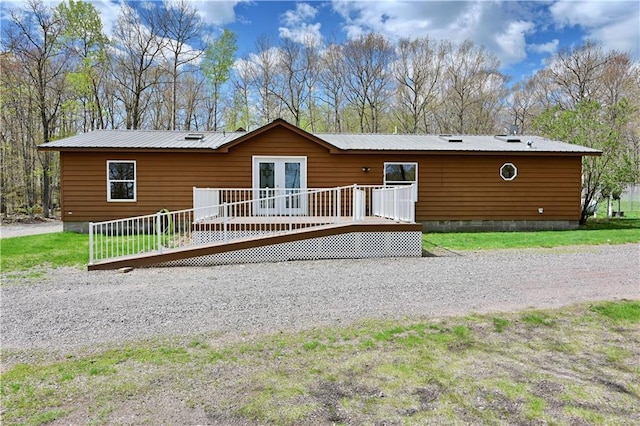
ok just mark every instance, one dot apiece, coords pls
pixel 402 174
pixel 508 171
pixel 121 181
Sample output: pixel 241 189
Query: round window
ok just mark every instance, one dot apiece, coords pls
pixel 508 171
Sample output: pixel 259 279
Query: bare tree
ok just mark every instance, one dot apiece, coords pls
pixel 331 75
pixel 34 40
pixel 610 78
pixel 183 27
pixel 264 71
pixel 19 133
pixel 367 62
pixel 295 76
pixel 138 43
pixel 472 89
pixel 240 113
pixel 417 71
pixel 577 73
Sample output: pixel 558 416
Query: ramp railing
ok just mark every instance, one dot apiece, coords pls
pixel 252 213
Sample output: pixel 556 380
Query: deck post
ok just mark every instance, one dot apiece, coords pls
pixel 395 204
pixel 354 202
pixel 290 208
pixel 158 233
pixel 338 199
pixel 90 243
pixel 225 216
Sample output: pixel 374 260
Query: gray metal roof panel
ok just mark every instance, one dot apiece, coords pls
pixel 164 139
pixel 144 139
pixel 394 142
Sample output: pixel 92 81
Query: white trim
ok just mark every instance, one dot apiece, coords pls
pixel 278 160
pixel 396 182
pixel 135 182
pixel 515 171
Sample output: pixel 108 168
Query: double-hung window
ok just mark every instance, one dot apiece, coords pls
pixel 402 174
pixel 121 180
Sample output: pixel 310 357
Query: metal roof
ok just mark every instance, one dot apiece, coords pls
pixel 486 143
pixel 145 139
pixel 166 139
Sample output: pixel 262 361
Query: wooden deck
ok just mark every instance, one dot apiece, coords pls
pixel 305 228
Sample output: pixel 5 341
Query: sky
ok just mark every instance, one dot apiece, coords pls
pixel 521 33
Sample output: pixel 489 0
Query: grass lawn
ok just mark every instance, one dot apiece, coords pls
pixel 575 365
pixel 71 249
pixel 54 250
pixel 596 231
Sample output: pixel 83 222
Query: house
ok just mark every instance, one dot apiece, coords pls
pixel 463 182
pixel 459 182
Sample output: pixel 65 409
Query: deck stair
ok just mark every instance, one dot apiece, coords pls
pixel 352 221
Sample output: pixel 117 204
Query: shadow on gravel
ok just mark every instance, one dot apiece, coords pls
pixel 438 251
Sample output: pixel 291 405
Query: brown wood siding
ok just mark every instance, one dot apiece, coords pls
pixel 451 187
pixel 470 188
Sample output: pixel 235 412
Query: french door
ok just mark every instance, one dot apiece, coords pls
pixel 277 182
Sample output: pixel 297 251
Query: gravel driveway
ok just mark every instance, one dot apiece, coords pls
pixel 71 308
pixel 22 229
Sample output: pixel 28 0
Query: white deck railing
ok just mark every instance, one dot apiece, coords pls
pixel 227 215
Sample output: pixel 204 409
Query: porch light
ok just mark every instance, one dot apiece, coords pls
pixel 366 169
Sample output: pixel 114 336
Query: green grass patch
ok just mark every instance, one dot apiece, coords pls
pixel 625 311
pixel 55 250
pixel 540 367
pixel 537 318
pixel 631 209
pixel 595 232
pixel 71 249
pixel 500 324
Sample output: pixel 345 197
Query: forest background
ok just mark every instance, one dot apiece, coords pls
pixel 60 74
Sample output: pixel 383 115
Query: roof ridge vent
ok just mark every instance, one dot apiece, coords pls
pixel 194 136
pixel 508 138
pixel 450 138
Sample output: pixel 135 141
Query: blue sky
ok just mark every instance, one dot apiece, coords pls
pixel 520 33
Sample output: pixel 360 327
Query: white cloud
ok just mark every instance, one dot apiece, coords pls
pixel 302 13
pixel 623 35
pixel 583 13
pixel 296 26
pixel 504 27
pixel 217 12
pixel 512 41
pixel 615 23
pixel 500 26
pixel 303 33
pixel 108 11
pixel 548 48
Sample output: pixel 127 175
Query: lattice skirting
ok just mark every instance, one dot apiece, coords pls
pixel 354 245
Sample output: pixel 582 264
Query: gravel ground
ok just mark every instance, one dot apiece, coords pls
pixel 70 308
pixel 22 229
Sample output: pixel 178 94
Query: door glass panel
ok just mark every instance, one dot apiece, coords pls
pixel 292 184
pixel 267 180
pixel 292 175
pixel 267 175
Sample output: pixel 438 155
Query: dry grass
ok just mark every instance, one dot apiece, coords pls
pixel 577 365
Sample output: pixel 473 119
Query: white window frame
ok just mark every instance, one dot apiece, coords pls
pixel 515 172
pixel 396 182
pixel 135 182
